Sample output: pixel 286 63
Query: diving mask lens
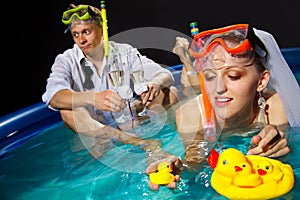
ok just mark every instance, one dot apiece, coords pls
pixel 218 58
pixel 234 39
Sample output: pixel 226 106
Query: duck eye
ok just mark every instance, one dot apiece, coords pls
pixel 267 167
pixel 168 165
pixel 225 162
pixel 244 165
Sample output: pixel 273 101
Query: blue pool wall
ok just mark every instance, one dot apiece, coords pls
pixel 21 125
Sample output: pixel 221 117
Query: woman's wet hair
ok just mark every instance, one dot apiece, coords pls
pixel 261 53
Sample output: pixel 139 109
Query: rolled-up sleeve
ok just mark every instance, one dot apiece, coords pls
pixel 59 79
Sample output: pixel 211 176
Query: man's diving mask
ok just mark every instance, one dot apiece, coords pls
pixel 233 45
pixel 82 12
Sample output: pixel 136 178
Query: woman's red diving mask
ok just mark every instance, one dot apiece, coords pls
pixel 235 39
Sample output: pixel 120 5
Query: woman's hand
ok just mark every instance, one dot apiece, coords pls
pixel 178 167
pixel 269 142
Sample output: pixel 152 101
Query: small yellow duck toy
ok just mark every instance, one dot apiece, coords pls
pixel 239 176
pixel 163 174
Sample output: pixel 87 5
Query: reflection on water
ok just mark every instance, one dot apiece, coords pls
pixel 56 165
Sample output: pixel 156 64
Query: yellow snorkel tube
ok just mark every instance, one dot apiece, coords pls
pixel 105 28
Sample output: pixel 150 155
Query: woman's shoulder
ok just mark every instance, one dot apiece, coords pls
pixel 190 104
pixel 275 110
pixel 272 98
pixel 188 116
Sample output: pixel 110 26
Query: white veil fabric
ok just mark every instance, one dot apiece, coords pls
pixel 282 78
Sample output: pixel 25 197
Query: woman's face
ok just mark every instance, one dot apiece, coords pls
pixel 231 87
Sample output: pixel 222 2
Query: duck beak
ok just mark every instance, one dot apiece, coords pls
pixel 212 159
pixel 261 172
pixel 238 169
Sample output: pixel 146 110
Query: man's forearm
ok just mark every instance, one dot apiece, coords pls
pixel 67 99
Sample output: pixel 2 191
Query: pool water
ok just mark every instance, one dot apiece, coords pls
pixel 56 165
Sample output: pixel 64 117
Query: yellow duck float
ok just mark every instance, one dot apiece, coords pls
pixel 163 175
pixel 239 176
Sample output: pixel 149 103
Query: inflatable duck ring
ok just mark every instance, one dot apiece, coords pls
pixel 239 176
pixel 163 174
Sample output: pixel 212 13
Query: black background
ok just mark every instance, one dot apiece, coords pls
pixel 36 33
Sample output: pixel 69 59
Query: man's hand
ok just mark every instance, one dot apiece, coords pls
pixel 108 100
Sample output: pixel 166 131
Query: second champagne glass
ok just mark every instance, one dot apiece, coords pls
pixel 137 75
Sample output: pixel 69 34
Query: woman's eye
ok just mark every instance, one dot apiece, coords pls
pixel 234 77
pixel 209 77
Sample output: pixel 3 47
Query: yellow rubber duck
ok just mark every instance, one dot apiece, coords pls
pixel 245 177
pixel 239 176
pixel 163 174
pixel 268 170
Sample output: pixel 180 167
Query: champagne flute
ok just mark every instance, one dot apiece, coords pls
pixel 116 78
pixel 116 74
pixel 137 76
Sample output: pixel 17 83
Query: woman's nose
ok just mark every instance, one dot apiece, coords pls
pixel 220 87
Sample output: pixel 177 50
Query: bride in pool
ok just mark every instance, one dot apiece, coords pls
pixel 247 84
